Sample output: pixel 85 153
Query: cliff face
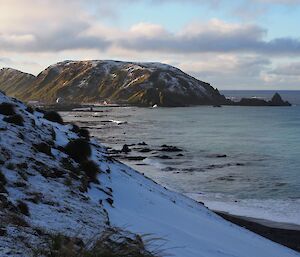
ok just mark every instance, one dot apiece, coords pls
pixel 142 84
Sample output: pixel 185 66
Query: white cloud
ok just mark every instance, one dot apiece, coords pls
pixel 220 52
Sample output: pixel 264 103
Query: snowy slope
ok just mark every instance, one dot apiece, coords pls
pixel 39 180
pixel 190 229
pixel 139 204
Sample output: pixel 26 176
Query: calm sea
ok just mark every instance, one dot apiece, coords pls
pixel 243 160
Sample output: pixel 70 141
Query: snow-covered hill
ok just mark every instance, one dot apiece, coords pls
pixel 63 196
pixel 143 84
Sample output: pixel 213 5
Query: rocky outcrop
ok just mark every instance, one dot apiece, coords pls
pixel 275 101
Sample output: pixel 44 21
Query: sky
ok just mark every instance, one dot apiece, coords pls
pixel 232 44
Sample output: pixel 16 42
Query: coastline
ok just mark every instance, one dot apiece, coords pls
pixel 281 233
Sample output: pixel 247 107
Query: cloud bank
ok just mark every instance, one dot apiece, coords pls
pixel 242 52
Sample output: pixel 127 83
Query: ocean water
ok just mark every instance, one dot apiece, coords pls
pixel 243 160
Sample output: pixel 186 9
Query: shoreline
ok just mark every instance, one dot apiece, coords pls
pixel 281 233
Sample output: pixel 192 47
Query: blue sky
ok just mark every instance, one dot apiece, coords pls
pixel 232 44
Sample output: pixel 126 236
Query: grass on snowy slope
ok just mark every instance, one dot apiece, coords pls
pixel 113 242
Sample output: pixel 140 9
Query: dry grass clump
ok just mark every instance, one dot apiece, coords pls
pixel 23 208
pixel 7 109
pixel 79 149
pixel 3 180
pixel 16 119
pixel 84 133
pixel 54 117
pixel 91 169
pixel 43 148
pixel 113 242
pixel 81 132
pixel 10 166
pixel 30 109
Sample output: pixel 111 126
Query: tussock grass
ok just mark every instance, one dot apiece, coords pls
pixel 30 109
pixel 7 109
pixel 79 149
pixel 91 169
pixel 3 180
pixel 84 133
pixel 113 242
pixel 54 117
pixel 43 148
pixel 16 119
pixel 23 208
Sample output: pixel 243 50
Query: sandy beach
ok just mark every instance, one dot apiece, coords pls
pixel 282 233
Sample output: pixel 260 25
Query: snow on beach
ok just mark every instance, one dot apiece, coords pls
pixel 281 211
pixel 137 203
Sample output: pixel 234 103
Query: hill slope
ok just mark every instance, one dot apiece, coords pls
pixel 64 195
pixel 143 84
pixel 15 82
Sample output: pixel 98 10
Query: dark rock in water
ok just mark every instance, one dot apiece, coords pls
pixel 168 169
pixel 125 149
pixel 136 158
pixel 252 102
pixel 169 148
pixel 113 151
pixel 240 164
pixel 145 150
pixel 277 101
pixel 179 155
pixel 217 105
pixel 216 156
pixel 164 157
pixel 218 166
pixel 226 178
pixel 142 143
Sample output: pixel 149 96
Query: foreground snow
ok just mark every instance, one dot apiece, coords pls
pixel 139 204
pixel 190 229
